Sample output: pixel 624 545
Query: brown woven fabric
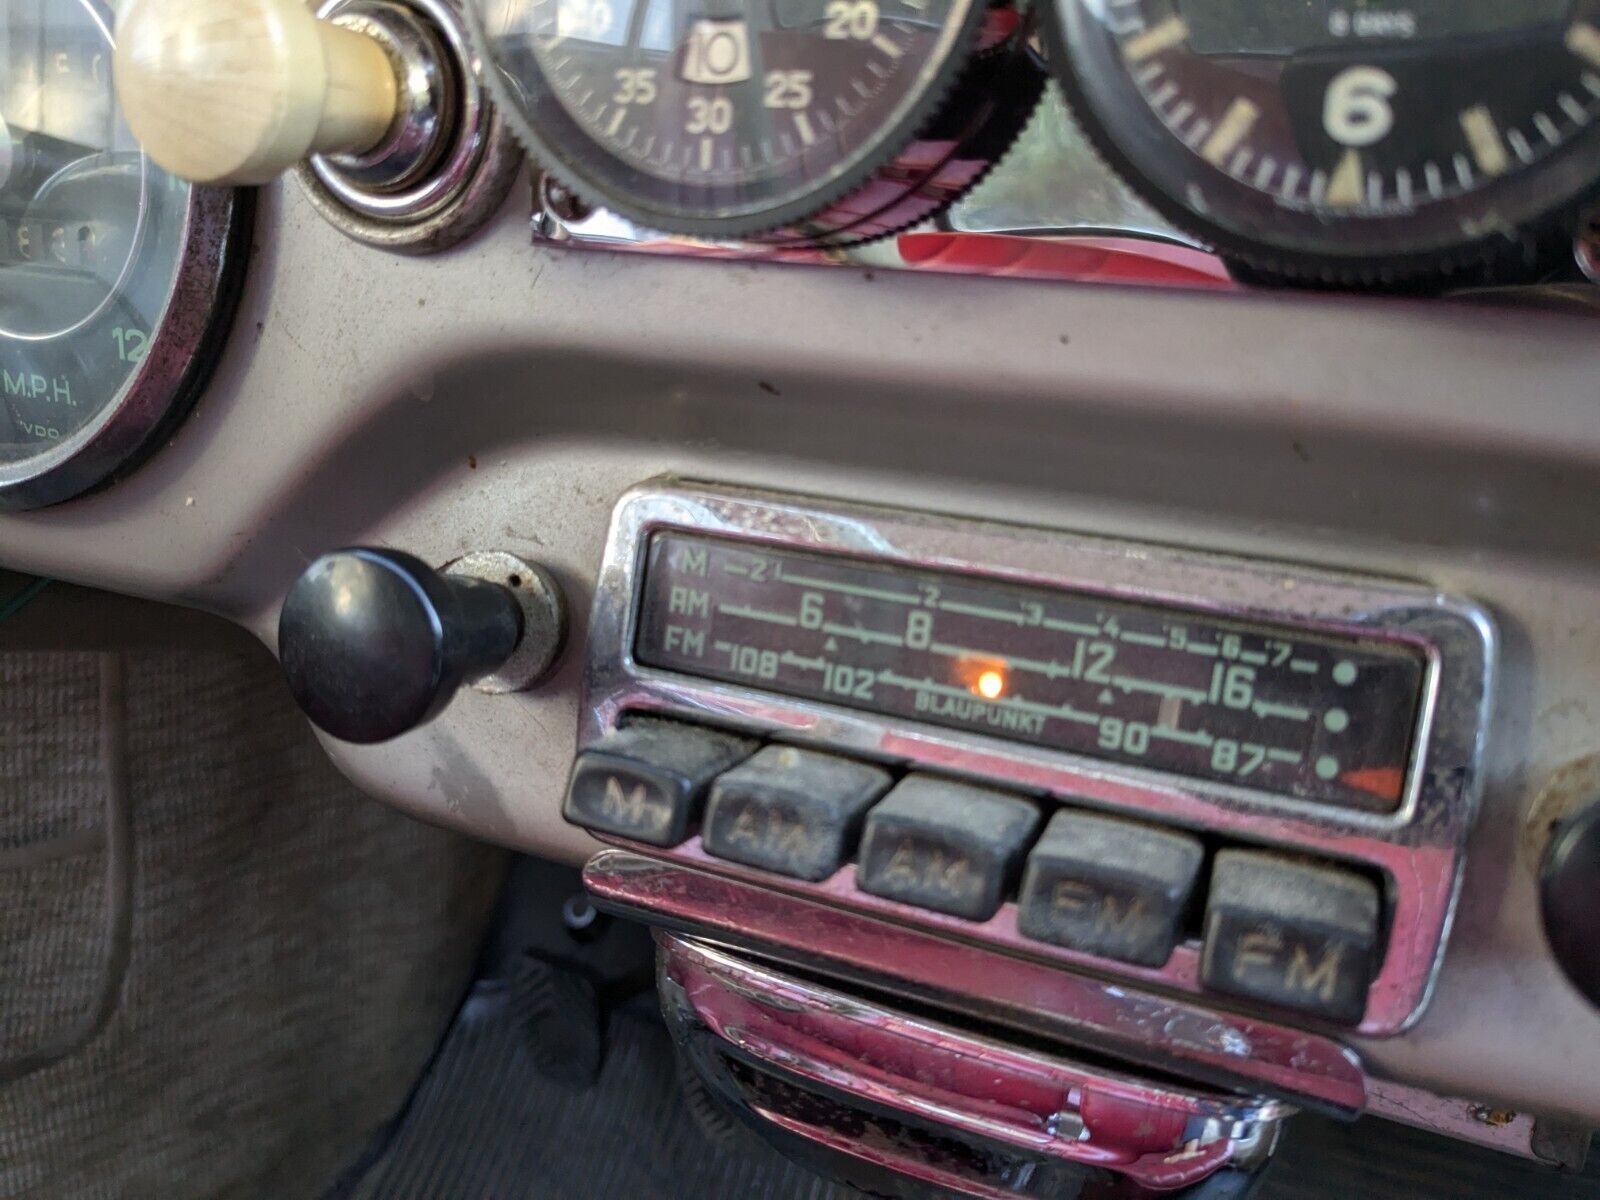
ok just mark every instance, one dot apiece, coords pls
pixel 296 950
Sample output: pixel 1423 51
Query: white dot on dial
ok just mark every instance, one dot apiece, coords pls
pixel 1327 767
pixel 1336 720
pixel 1344 672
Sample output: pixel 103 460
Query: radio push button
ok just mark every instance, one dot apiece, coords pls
pixel 1109 887
pixel 945 846
pixel 646 781
pixel 1291 933
pixel 795 812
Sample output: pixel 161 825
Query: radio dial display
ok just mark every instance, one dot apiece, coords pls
pixel 1263 706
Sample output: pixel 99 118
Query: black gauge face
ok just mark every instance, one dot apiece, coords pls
pixel 1343 130
pixel 722 117
pixel 93 245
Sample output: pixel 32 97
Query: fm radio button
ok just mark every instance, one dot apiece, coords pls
pixel 1290 933
pixel 794 812
pixel 647 780
pixel 945 846
pixel 1109 887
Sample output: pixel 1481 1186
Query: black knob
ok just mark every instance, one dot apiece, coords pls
pixel 1569 894
pixel 375 642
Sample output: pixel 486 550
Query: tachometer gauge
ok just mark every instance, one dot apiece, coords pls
pixel 113 275
pixel 1345 140
pixel 725 118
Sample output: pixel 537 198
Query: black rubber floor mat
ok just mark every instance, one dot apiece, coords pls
pixel 486 1125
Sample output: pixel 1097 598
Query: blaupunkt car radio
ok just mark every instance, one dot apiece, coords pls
pixel 1215 777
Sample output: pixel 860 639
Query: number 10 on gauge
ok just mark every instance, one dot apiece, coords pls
pixel 716 52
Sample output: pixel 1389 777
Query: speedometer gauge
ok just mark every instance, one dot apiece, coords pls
pixel 1370 140
pixel 113 275
pixel 723 118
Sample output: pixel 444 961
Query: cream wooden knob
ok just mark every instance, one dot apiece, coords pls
pixel 239 91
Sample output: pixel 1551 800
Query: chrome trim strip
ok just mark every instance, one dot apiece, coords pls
pixel 1174 1036
pixel 852 1057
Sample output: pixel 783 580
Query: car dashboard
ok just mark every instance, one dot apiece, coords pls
pixel 1058 537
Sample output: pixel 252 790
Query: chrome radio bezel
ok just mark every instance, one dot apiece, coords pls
pixel 1418 848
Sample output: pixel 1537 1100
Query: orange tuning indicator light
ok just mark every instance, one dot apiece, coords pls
pixel 991 684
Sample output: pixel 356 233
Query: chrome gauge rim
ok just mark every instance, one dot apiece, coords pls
pixel 162 387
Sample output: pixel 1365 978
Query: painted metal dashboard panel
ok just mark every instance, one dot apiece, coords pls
pixel 507 395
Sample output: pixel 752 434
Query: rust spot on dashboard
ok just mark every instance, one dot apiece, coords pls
pixel 1496 1117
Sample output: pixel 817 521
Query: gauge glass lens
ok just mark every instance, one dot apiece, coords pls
pixel 1342 126
pixel 90 231
pixel 751 113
